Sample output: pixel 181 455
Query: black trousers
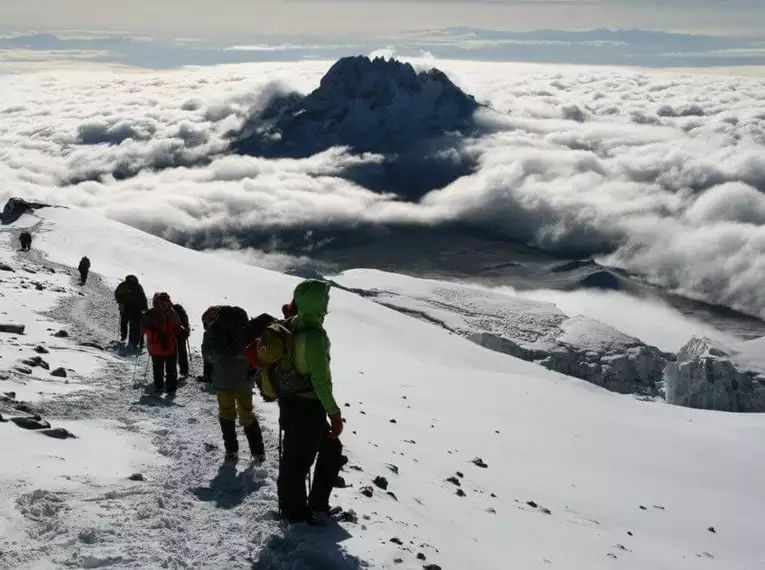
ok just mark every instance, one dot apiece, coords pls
pixel 306 435
pixel 183 356
pixel 83 276
pixel 165 373
pixel 130 327
pixel 207 371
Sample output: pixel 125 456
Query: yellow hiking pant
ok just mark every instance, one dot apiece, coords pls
pixel 236 402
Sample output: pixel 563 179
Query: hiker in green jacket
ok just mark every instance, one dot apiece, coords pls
pixel 303 417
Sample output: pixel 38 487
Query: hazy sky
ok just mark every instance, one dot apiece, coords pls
pixel 224 17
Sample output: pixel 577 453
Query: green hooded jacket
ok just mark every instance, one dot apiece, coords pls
pixel 311 354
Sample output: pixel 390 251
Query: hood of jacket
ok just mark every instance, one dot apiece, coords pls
pixel 162 303
pixel 311 300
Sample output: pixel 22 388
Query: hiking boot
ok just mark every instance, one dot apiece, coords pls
pixel 231 456
pixel 259 459
pixel 255 439
pixel 323 509
pixel 228 429
pixel 306 517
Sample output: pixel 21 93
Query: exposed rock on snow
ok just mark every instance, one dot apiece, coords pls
pixel 59 372
pixel 17 207
pixel 376 106
pixel 58 433
pixel 12 328
pixel 532 330
pixel 36 361
pixel 711 376
pixel 478 462
pixel 31 423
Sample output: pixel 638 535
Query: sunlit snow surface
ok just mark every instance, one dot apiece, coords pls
pixel 612 476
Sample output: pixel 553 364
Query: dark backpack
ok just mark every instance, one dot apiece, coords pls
pixel 255 327
pixel 230 323
pixel 182 315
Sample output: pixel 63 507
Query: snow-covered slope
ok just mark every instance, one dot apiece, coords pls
pixel 572 476
pixel 533 330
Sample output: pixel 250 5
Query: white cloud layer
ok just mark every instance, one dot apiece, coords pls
pixel 669 167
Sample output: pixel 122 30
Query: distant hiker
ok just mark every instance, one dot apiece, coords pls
pixel 207 318
pixel 296 357
pixel 25 238
pixel 161 326
pixel 84 268
pixel 132 303
pixel 223 346
pixel 182 339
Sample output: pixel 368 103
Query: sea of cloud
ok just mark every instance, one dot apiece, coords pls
pixel 659 172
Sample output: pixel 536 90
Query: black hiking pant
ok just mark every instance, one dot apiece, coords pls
pixel 207 371
pixel 183 356
pixel 83 276
pixel 165 372
pixel 130 327
pixel 306 435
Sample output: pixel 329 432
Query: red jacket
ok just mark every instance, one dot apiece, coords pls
pixel 251 354
pixel 160 329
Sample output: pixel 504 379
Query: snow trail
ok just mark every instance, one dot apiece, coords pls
pixel 192 511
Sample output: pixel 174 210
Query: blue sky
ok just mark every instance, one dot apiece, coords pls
pixel 224 17
pixel 167 33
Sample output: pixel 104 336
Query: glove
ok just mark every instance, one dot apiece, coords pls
pixel 183 333
pixel 336 421
pixel 122 307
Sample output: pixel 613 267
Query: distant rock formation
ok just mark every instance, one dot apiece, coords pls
pixel 531 330
pixel 375 106
pixel 711 376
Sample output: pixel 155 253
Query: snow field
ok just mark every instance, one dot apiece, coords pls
pixel 570 475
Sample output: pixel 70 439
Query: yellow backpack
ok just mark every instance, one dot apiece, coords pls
pixel 276 347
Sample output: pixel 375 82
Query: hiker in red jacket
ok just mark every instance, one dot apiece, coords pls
pixel 161 325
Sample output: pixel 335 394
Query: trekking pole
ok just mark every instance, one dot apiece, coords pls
pixel 280 462
pixel 135 368
pixel 191 359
